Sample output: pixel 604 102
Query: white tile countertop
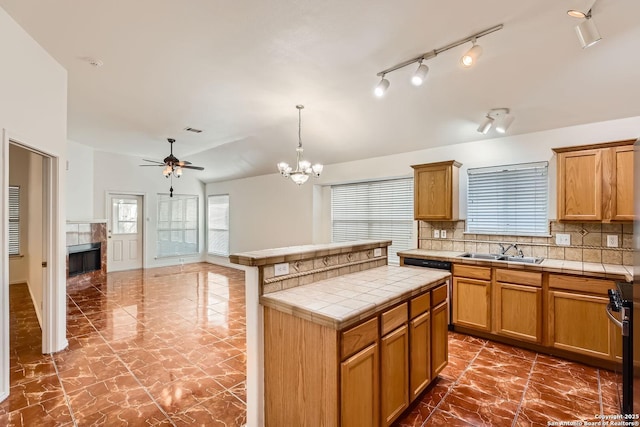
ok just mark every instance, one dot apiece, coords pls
pixel 592 269
pixel 344 300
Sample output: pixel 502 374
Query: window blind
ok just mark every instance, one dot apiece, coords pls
pixel 177 225
pixel 380 210
pixel 509 200
pixel 14 220
pixel 218 224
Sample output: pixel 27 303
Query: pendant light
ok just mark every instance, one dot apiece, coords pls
pixel 303 168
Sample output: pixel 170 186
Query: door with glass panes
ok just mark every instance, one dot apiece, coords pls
pixel 124 232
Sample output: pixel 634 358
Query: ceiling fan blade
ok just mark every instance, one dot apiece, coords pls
pixel 152 161
pixel 183 162
pixel 153 165
pixel 193 167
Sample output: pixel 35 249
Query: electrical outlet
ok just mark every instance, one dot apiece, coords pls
pixel 443 234
pixel 563 239
pixel 436 234
pixel 281 269
pixel 377 252
pixel 612 240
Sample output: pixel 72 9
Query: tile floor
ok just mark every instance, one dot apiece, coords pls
pixel 166 346
pixel 491 384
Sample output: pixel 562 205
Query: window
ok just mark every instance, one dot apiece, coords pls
pixel 177 225
pixel 374 210
pixel 508 200
pixel 14 220
pixel 124 216
pixel 218 223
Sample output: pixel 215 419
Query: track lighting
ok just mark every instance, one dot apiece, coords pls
pixel 469 59
pixel 382 87
pixel 499 117
pixel 586 31
pixel 421 73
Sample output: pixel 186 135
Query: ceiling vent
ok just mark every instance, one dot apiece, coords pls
pixel 194 130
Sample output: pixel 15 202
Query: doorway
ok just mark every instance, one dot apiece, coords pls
pixel 125 234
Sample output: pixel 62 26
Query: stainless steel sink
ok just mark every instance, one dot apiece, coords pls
pixel 506 258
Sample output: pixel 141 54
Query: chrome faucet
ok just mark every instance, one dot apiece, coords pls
pixel 504 250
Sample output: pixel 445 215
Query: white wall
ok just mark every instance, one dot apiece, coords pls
pixel 35 245
pixel 268 211
pixel 33 112
pixel 79 170
pixel 117 173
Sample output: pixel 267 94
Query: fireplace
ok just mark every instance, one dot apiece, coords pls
pixel 84 258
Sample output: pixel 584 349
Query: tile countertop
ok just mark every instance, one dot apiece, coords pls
pixel 592 269
pixel 342 301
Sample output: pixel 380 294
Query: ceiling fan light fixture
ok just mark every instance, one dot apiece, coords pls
pixel 172 166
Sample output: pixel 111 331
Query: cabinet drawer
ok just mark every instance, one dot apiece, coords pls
pixel 420 304
pixel 472 272
pixel 393 318
pixel 581 284
pixel 519 277
pixel 438 295
pixel 357 338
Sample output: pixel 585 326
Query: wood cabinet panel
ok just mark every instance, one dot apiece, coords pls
pixel 519 311
pixel 471 303
pixel 578 323
pixel 439 339
pixel 359 384
pixel 420 304
pixel 518 277
pixel 579 185
pixel 622 195
pixel 393 318
pixel 419 357
pixel 394 358
pixel 358 337
pixel 439 295
pixel 580 284
pixel 436 191
pixel 472 272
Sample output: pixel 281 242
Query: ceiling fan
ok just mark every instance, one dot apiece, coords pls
pixel 172 165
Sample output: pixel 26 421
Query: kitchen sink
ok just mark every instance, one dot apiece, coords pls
pixel 506 258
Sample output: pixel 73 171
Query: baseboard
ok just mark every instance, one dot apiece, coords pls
pixel 36 307
pixel 17 282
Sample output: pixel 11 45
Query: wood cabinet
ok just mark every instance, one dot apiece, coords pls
pixel 435 189
pixel 472 296
pixel 518 304
pixel 595 182
pixel 577 318
pixel 365 375
pixel 359 387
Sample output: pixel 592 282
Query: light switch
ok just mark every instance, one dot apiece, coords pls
pixel 612 241
pixel 436 234
pixel 377 252
pixel 563 239
pixel 443 234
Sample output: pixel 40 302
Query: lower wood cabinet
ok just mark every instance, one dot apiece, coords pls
pixel 471 307
pixel 359 387
pixel 518 305
pixel 366 375
pixel 394 355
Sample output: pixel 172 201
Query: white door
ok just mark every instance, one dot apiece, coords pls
pixel 124 232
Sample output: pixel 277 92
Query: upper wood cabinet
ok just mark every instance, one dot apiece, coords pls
pixel 595 182
pixel 435 191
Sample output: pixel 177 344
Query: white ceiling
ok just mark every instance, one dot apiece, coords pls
pixel 237 70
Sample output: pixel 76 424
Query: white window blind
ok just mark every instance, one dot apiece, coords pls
pixel 177 225
pixel 218 223
pixel 508 200
pixel 374 210
pixel 14 220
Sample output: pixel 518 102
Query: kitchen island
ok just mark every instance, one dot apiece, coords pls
pixel 332 331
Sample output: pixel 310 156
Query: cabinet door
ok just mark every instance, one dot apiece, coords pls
pixel 578 323
pixel 519 311
pixel 439 339
pixel 471 303
pixel 580 185
pixel 622 191
pixel 394 356
pixel 436 191
pixel 420 349
pixel 359 389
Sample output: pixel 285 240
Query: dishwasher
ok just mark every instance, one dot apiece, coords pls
pixel 440 265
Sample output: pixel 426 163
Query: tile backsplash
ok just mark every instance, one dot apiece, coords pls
pixel 588 241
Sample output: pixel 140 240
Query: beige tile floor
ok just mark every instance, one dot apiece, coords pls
pixel 166 346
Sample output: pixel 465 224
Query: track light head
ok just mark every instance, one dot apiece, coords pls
pixel 486 125
pixel 420 75
pixel 471 56
pixel 381 88
pixel 587 32
pixel 576 13
pixel 504 121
